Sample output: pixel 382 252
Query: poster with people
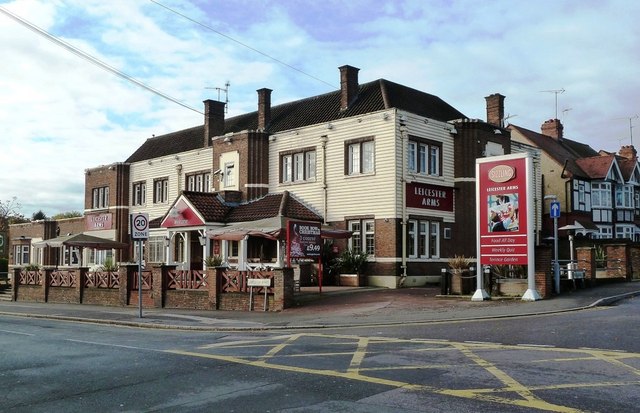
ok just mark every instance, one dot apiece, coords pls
pixel 503 212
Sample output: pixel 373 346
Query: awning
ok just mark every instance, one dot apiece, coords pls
pixel 271 228
pixel 81 241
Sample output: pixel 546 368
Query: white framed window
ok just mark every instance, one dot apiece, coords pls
pixel 624 197
pixel 139 193
pixel 229 174
pixel 604 232
pixel 157 249
pixel 359 156
pixel 424 157
pixel 601 195
pixel 364 235
pixel 199 182
pixel 100 197
pixel 161 190
pixel 21 254
pixel 298 166
pixel 423 239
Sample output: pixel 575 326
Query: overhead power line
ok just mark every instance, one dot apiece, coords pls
pixel 241 44
pixel 92 59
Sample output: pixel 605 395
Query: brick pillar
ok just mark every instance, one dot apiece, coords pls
pixel 213 283
pixel 123 276
pixel 617 258
pixel 46 279
pixel 634 251
pixel 14 284
pixel 282 289
pixel 158 284
pixel 586 257
pixel 542 269
pixel 82 276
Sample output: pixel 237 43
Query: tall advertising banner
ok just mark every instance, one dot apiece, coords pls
pixel 505 215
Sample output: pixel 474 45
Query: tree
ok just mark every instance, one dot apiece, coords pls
pixel 9 213
pixel 38 216
pixel 69 214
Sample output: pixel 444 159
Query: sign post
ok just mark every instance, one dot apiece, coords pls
pixel 139 232
pixel 505 217
pixel 555 214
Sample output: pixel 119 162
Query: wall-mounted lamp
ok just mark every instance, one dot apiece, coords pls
pixel 167 241
pixel 179 167
pixel 177 158
pixel 227 140
pixel 453 130
pixel 272 138
pixel 203 240
pixel 329 126
pixel 385 116
pixel 149 162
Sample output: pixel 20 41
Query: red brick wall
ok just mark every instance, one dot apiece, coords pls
pixel 63 295
pixel 187 299
pixel 33 293
pixel 101 296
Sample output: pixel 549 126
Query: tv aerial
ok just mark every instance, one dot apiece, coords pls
pixel 555 92
pixel 224 90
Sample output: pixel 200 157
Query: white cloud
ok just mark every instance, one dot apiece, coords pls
pixel 60 114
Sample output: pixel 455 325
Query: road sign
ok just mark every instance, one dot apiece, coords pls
pixel 555 209
pixel 139 226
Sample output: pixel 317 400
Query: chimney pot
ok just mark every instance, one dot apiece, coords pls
pixel 264 108
pixel 213 120
pixel 553 128
pixel 495 109
pixel 348 85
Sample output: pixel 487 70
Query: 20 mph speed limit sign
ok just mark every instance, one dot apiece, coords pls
pixel 139 226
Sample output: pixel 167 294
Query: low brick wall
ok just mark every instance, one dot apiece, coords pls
pixel 101 296
pixel 63 295
pixel 33 293
pixel 187 299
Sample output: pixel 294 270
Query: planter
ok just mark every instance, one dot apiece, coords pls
pixel 461 282
pixel 352 280
pixel 512 286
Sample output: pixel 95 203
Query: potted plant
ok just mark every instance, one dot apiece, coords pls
pixel 352 266
pixel 213 261
pixel 459 264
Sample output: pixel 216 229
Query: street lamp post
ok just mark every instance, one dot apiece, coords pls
pixel 554 212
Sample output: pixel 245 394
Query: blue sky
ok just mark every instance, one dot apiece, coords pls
pixel 60 114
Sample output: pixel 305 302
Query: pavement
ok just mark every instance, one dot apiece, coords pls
pixel 334 307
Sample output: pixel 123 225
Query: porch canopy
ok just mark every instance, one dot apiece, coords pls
pixel 81 241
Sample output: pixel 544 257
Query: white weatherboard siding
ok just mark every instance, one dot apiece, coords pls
pixel 167 166
pixel 367 194
pixel 420 127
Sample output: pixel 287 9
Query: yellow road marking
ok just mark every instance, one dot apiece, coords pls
pixel 523 395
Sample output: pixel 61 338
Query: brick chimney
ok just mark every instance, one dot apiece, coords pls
pixel 552 128
pixel 213 120
pixel 628 152
pixel 348 85
pixel 495 109
pixel 264 108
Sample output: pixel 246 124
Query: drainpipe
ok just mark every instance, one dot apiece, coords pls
pixel 403 182
pixel 325 208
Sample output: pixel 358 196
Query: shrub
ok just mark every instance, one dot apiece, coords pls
pixel 109 266
pixel 213 261
pixel 352 262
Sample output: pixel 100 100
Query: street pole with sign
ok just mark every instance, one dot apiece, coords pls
pixel 139 232
pixel 555 214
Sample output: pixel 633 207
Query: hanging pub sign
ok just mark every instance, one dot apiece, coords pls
pixel 303 239
pixel 504 210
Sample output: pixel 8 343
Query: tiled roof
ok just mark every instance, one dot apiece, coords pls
pixel 169 144
pixel 563 150
pixel 596 167
pixel 626 167
pixel 373 96
pixel 270 206
pixel 209 204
